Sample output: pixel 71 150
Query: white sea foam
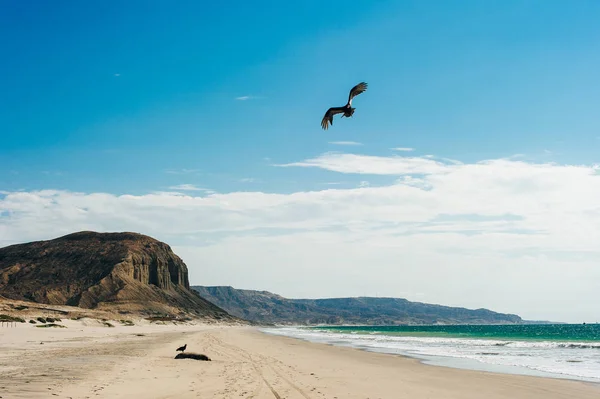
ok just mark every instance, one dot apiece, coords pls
pixel 577 360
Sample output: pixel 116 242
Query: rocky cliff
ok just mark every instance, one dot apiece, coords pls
pixel 268 308
pixel 123 271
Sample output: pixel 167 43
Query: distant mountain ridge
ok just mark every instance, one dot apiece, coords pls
pixel 267 308
pixel 126 272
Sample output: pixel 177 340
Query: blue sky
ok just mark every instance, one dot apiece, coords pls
pixel 141 99
pixel 468 80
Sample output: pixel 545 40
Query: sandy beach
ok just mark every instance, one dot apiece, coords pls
pixel 89 360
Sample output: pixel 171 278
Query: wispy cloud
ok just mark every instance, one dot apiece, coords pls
pixel 402 149
pixel 117 75
pixel 181 171
pixel 248 180
pixel 345 143
pixel 187 187
pixel 368 164
pixel 244 98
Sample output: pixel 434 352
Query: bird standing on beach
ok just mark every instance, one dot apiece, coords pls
pixel 346 110
pixel 181 348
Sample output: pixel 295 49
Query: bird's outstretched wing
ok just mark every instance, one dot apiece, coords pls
pixel 329 116
pixel 356 90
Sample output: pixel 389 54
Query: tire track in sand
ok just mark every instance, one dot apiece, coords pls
pixel 265 362
pixel 217 346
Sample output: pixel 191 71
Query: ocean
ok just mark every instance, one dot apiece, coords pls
pixel 550 350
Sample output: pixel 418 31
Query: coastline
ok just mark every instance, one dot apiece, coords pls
pixel 97 362
pixel 455 356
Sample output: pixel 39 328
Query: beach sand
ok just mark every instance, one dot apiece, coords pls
pixel 88 360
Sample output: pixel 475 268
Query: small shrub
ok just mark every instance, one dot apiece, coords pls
pixel 5 317
pixel 161 318
pixel 41 319
pixel 50 320
pixel 32 321
pixel 51 325
pixel 107 324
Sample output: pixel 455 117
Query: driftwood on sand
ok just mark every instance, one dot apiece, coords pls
pixel 196 356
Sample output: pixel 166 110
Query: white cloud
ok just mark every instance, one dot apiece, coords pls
pixel 503 234
pixel 248 180
pixel 244 98
pixel 368 164
pixel 403 149
pixel 182 171
pixel 117 75
pixel 345 143
pixel 187 187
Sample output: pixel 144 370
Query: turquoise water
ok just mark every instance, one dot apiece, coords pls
pixel 552 332
pixel 553 350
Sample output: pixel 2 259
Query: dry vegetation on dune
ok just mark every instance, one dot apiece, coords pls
pixel 45 316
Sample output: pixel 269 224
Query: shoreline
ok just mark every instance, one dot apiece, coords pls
pixel 475 365
pixel 452 362
pixel 100 362
pixel 422 361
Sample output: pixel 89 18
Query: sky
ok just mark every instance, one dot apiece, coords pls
pixel 468 175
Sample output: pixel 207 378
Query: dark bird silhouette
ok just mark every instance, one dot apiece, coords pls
pixel 346 110
pixel 181 348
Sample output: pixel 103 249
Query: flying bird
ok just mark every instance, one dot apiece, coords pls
pixel 346 110
pixel 181 348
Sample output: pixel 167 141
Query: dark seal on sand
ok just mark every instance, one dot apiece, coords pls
pixel 195 356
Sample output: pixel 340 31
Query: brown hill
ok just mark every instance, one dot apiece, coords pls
pixel 264 307
pixel 127 272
